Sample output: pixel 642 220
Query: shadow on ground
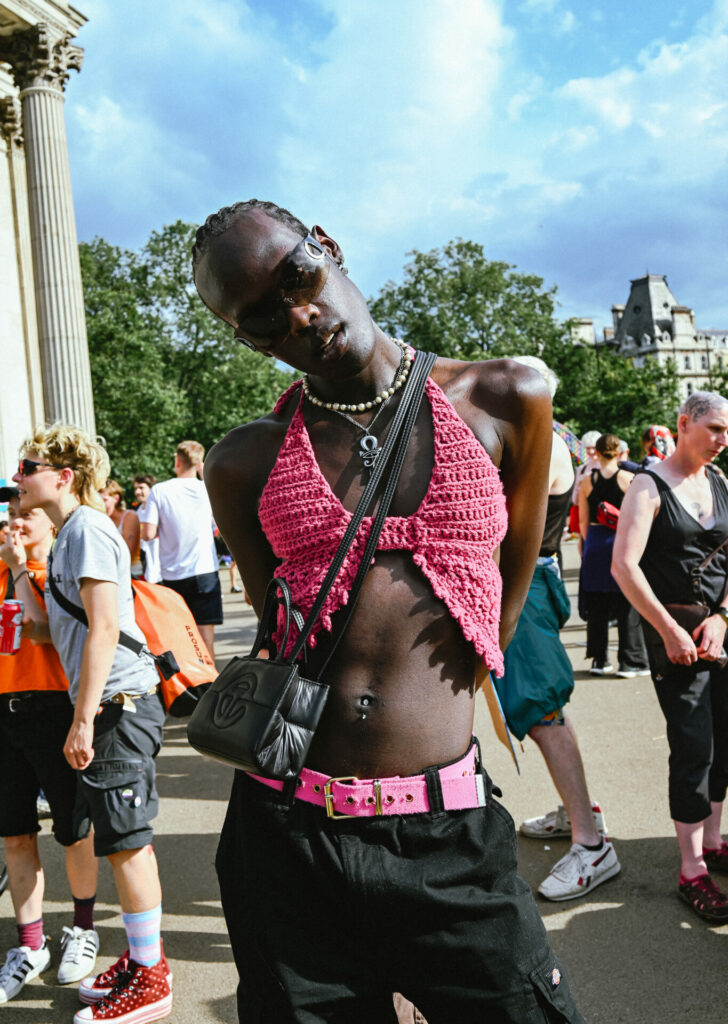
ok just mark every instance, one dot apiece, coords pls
pixel 634 931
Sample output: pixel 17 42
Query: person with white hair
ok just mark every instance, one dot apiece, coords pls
pixel 538 681
pixel 671 563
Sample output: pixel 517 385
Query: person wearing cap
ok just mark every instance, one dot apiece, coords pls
pixel 624 461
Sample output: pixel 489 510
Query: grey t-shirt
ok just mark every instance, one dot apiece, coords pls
pixel 90 547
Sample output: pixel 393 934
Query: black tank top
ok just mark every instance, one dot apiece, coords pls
pixel 557 508
pixel 677 543
pixel 604 489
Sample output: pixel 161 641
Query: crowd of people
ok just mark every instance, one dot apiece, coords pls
pixel 412 907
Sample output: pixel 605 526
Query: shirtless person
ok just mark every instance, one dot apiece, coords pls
pixel 328 917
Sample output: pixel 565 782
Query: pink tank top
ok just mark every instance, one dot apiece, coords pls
pixel 452 535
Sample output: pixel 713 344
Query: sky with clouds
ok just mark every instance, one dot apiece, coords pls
pixel 583 142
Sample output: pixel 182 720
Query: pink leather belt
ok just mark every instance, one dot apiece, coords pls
pixel 346 796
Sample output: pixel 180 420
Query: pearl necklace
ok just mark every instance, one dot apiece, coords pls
pixel 399 378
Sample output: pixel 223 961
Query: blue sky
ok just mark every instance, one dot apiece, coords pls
pixel 586 143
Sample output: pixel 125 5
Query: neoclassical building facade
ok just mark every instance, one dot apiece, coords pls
pixel 44 362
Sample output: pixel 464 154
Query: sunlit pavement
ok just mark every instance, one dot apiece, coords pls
pixel 633 952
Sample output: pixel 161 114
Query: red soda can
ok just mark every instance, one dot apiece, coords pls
pixel 11 623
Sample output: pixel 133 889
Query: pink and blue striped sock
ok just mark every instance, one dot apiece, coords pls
pixel 143 933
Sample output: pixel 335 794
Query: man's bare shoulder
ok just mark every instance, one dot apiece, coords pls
pixel 503 388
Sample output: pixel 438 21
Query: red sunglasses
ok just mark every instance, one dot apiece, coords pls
pixel 26 467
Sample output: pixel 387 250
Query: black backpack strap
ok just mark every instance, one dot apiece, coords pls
pixel 78 613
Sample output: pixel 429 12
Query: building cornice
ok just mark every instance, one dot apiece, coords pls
pixel 62 17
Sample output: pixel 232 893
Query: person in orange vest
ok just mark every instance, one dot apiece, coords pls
pixel 35 716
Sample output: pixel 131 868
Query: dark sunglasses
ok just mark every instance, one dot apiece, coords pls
pixel 303 274
pixel 26 467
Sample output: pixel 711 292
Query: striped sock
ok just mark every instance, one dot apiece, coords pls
pixel 143 930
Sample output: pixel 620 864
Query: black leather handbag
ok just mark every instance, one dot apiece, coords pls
pixel 260 715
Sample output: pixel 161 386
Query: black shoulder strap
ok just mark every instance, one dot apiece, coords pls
pixel 662 486
pixel 77 612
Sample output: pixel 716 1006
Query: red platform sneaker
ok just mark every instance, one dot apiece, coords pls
pixel 141 995
pixel 94 988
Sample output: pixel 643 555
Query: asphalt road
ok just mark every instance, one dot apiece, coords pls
pixel 634 953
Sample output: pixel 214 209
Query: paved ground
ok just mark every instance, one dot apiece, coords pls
pixel 634 952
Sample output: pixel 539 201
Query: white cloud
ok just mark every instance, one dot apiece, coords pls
pixel 567 23
pixel 399 147
pixel 401 125
pixel 673 93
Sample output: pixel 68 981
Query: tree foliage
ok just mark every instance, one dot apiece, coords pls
pixel 163 368
pixel 457 303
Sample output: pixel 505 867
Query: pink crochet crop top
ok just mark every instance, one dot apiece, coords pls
pixel 452 535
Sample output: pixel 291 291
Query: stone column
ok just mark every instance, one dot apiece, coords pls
pixel 12 130
pixel 41 64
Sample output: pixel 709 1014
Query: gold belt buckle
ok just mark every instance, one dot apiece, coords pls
pixel 330 796
pixel 350 778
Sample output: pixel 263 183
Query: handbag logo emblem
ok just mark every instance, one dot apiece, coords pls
pixel 231 705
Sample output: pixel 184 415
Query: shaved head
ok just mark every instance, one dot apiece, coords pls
pixel 700 403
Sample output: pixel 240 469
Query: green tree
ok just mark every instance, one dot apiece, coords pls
pixel 163 367
pixel 600 390
pixel 456 302
pixel 224 383
pixel 139 410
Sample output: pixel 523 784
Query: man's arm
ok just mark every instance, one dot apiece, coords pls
pixel 100 602
pixel 131 531
pixel 585 489
pixel 236 470
pixel 525 428
pixel 149 517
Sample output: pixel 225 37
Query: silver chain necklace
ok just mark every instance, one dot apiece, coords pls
pixel 369 449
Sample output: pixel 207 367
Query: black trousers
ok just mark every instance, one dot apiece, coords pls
pixel 327 918
pixel 601 609
pixel 694 701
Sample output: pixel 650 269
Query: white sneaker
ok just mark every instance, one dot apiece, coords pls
pixel 556 824
pixel 580 871
pixel 21 964
pixel 42 806
pixel 78 953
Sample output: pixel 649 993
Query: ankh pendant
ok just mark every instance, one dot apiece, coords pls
pixel 369 450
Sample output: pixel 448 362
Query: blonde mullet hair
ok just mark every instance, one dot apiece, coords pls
pixel 66 446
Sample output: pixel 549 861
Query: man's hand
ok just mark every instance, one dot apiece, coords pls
pixel 12 553
pixel 78 748
pixel 680 647
pixel 709 637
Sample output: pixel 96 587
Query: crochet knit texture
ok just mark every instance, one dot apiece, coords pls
pixel 460 522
